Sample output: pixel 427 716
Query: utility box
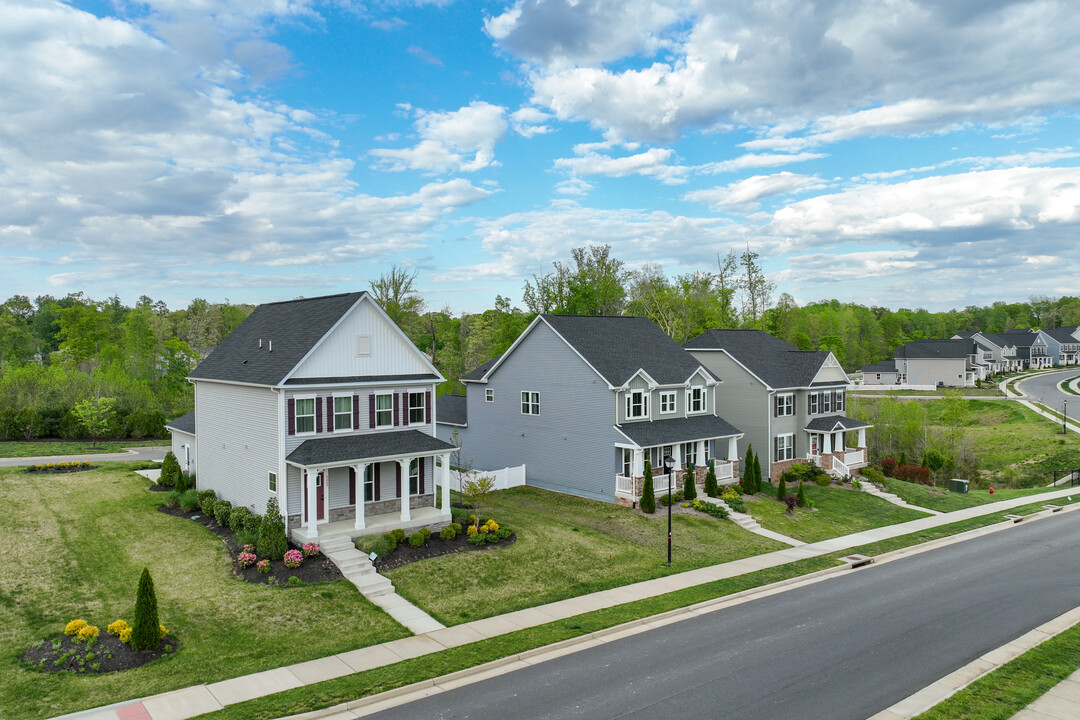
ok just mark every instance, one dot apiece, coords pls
pixel 957 485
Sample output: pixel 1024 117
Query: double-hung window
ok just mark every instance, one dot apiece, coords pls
pixel 637 404
pixel 813 403
pixel 785 405
pixel 414 476
pixel 272 482
pixel 689 454
pixel 417 407
pixel 530 402
pixel 785 447
pixel 343 413
pixel 384 410
pixel 695 400
pixel 369 483
pixel 838 401
pixel 667 403
pixel 627 462
pixel 826 402
pixel 489 395
pixel 305 415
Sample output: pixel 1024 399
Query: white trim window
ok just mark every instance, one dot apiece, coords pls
pixel 271 481
pixel 489 394
pixel 667 402
pixel 695 399
pixel 305 415
pixel 627 462
pixel 812 405
pixel 838 401
pixel 785 405
pixel 343 412
pixel 369 483
pixel 414 476
pixel 384 410
pixel 417 408
pixel 826 402
pixel 689 453
pixel 637 404
pixel 530 402
pixel 785 447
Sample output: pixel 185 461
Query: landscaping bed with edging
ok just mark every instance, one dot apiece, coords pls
pixel 107 653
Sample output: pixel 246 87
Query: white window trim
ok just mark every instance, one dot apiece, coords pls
pixel 533 400
pixel 489 394
pixel 690 401
pixel 422 408
pixel 335 413
pixel 271 482
pixel 389 410
pixel 297 416
pixel 788 406
pixel 815 403
pixel 673 397
pixel 414 489
pixel 369 481
pixel 790 447
pixel 644 414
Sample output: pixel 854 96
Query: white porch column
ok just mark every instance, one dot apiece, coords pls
pixel 862 437
pixel 312 509
pixel 639 462
pixel 701 453
pixel 360 470
pixel 826 443
pixel 445 485
pixel 732 449
pixel 404 465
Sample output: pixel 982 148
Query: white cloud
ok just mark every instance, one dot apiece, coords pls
pixel 529 121
pixel 758 160
pixel 747 194
pixel 460 140
pixel 652 162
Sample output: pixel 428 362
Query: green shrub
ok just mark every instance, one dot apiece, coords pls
pixel 246 537
pixel 170 471
pixel 456 526
pixel 236 518
pixel 448 533
pixel 207 498
pixel 736 503
pixel 252 523
pixel 391 542
pixel 146 632
pixel 800 496
pixel 748 472
pixel 781 488
pixel 503 533
pixel 648 497
pixel 417 539
pixel 173 499
pixel 222 510
pixel 272 541
pixel 757 474
pixel 189 500
pixel 426 532
pixel 399 535
pixel 710 480
pixel 689 484
pixel 872 474
pixel 708 508
pixel 676 497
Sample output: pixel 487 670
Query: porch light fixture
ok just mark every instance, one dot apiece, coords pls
pixel 669 465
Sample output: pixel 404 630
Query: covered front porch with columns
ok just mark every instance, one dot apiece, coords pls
pixel 367 484
pixel 829 440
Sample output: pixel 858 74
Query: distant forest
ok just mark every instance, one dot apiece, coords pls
pixel 56 353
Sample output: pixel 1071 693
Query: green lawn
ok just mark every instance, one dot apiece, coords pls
pixel 944 501
pixel 983 391
pixel 567 546
pixel 12 449
pixel 75 545
pixel 837 512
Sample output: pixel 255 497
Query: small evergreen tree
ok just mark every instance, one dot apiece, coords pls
pixel 689 484
pixel 748 471
pixel 648 496
pixel 146 632
pixel 903 459
pixel 710 480
pixel 781 488
pixel 800 496
pixel 170 472
pixel 272 542
pixel 757 473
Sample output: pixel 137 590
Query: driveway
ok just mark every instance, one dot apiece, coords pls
pixel 157 454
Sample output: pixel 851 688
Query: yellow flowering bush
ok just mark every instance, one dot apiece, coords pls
pixel 472 530
pixel 63 465
pixel 87 632
pixel 164 632
pixel 74 626
pixel 125 635
pixel 491 526
pixel 115 628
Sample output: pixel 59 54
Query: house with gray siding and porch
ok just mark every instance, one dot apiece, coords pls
pixel 582 401
pixel 1063 345
pixel 790 403
pixel 325 404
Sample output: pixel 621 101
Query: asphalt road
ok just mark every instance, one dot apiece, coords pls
pixel 842 649
pixel 1044 389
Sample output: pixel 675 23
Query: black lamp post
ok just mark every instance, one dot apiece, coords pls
pixel 1064 417
pixel 669 464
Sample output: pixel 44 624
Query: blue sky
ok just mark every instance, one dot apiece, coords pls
pixel 902 153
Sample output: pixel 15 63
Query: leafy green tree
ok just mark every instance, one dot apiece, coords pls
pixel 272 542
pixel 146 632
pixel 648 496
pixel 396 293
pixel 96 414
pixel 170 472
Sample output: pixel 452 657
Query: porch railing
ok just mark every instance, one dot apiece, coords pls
pixel 624 485
pixel 839 467
pixel 816 459
pixel 724 471
pixel 855 457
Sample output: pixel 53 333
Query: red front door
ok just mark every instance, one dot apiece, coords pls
pixel 320 496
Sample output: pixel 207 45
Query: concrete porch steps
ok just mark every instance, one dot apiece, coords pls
pixel 747 522
pixel 869 487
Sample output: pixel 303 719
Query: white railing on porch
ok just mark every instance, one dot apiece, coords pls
pixel 724 471
pixel 855 457
pixel 839 468
pixel 624 485
pixel 816 459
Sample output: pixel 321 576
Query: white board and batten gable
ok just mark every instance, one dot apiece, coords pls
pixel 831 371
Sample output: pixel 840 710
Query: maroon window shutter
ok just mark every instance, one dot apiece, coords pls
pixel 330 414
pixel 356 412
pixel 427 407
pixel 371 411
pixel 404 408
pixel 292 416
pixel 352 486
pixel 378 481
pixel 397 465
pixel 420 484
pixel 397 406
pixel 318 414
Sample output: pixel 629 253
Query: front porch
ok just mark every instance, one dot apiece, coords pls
pixel 828 439
pixel 374 525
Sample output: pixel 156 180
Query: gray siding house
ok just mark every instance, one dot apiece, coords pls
pixel 789 403
pixel 1063 345
pixel 583 401
pixel 957 362
pixel 325 404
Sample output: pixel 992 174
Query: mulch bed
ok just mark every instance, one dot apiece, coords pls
pixel 313 570
pixel 107 654
pixel 57 470
pixel 436 546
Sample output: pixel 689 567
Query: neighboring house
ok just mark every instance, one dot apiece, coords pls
pixel 325 404
pixel 1031 348
pixel 1001 350
pixel 582 401
pixel 1063 345
pixel 881 373
pixel 789 403
pixel 182 430
pixel 951 363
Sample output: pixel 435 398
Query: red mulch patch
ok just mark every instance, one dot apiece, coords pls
pixel 107 654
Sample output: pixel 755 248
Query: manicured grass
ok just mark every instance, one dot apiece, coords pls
pixel 978 392
pixel 567 546
pixel 13 449
pixel 837 512
pixel 75 545
pixel 351 687
pixel 944 501
pixel 1014 686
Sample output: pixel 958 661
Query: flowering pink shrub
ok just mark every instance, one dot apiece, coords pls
pixel 263 566
pixel 246 559
pixel 293 558
pixel 248 549
pixel 311 549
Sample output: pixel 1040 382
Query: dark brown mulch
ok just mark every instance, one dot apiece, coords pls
pixel 107 654
pixel 435 547
pixel 313 570
pixel 56 470
pixel 158 487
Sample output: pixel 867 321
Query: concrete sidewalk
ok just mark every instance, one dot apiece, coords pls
pixel 196 700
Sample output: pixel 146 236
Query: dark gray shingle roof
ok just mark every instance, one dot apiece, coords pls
pixel 1063 334
pixel 184 423
pixel 880 366
pixel 619 346
pixel 425 377
pixel 451 410
pixel 958 348
pixel 778 363
pixel 677 430
pixel 477 373
pixel 294 327
pixel 831 423
pixel 326 451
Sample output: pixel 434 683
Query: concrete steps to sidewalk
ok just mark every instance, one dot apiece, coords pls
pixel 872 489
pixel 747 522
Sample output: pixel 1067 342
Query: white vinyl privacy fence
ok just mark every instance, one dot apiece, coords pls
pixel 505 478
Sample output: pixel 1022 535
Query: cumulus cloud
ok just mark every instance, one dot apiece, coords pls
pixel 652 162
pixel 460 140
pixel 529 121
pixel 746 194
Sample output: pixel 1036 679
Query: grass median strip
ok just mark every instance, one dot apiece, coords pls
pixel 18 449
pixel 371 682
